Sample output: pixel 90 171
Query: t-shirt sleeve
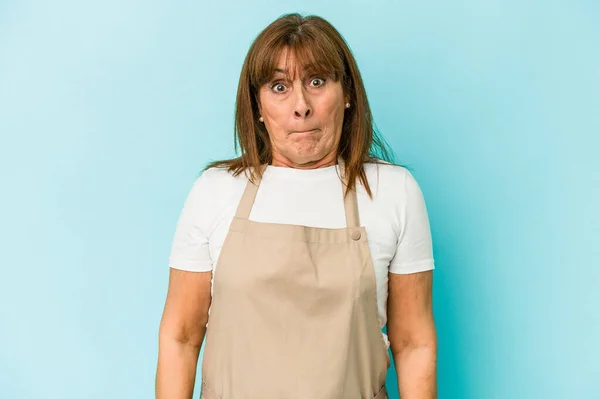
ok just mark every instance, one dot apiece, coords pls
pixel 414 252
pixel 190 246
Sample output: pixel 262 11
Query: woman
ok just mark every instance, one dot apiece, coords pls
pixel 275 242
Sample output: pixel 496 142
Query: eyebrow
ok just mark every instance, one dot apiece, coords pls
pixel 307 71
pixel 280 71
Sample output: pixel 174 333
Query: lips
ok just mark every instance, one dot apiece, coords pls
pixel 305 131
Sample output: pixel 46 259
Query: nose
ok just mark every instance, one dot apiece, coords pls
pixel 302 108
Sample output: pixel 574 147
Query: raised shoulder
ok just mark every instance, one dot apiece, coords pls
pixel 219 183
pixel 387 179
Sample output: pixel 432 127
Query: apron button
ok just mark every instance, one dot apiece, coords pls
pixel 356 235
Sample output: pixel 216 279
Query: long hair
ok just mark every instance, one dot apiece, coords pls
pixel 319 48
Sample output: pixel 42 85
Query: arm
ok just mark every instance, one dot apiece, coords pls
pixel 411 330
pixel 181 333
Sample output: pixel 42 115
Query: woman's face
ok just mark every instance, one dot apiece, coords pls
pixel 303 117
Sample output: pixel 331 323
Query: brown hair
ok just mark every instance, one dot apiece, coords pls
pixel 320 49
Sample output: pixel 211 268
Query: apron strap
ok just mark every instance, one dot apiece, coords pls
pixel 351 207
pixel 350 201
pixel 245 205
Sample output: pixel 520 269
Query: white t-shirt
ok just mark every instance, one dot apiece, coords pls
pixel 396 219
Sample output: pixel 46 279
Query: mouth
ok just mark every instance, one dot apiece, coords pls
pixel 305 131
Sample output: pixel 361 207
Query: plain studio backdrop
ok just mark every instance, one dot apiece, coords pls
pixel 110 109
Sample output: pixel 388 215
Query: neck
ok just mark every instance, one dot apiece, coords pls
pixel 282 161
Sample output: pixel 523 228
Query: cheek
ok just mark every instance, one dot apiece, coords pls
pixel 330 107
pixel 331 116
pixel 276 114
pixel 275 122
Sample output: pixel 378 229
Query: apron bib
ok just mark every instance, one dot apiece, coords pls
pixel 294 312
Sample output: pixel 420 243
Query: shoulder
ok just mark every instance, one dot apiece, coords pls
pixel 387 170
pixel 218 175
pixel 213 189
pixel 387 179
pixel 218 181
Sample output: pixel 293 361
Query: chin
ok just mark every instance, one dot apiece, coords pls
pixel 309 159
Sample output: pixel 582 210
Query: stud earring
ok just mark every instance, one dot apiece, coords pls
pixel 347 105
pixel 261 119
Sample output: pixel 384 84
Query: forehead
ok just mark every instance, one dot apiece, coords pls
pixel 290 60
pixel 288 64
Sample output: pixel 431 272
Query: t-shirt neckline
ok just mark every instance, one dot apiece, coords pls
pixel 293 173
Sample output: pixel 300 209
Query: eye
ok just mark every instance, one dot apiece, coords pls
pixel 320 81
pixel 278 87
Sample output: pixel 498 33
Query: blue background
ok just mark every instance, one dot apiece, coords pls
pixel 110 109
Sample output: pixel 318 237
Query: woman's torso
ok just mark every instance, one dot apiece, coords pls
pixel 314 198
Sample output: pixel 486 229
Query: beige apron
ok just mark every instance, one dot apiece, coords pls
pixel 294 312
